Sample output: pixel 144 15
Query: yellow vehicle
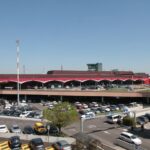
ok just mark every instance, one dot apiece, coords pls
pixel 4 145
pixel 49 148
pixel 39 128
pixel 25 147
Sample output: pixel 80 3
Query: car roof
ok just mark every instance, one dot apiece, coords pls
pixel 28 127
pixel 14 137
pixel 3 125
pixel 39 123
pixel 62 142
pixel 113 115
pixel 37 140
pixel 126 133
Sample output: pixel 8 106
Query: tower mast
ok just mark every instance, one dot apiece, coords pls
pixel 18 79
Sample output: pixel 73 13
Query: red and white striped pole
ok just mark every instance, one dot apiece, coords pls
pixel 18 87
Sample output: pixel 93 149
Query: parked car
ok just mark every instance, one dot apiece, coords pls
pixel 88 115
pixel 3 129
pixel 31 115
pixel 25 114
pixel 52 129
pixel 95 110
pixel 36 144
pixel 16 113
pixel 84 106
pixel 39 128
pixel 14 142
pixel 147 115
pixel 114 118
pixel 28 130
pixel 37 115
pixel 142 120
pixel 130 138
pixel 121 106
pixel 62 145
pixel 114 108
pixel 15 129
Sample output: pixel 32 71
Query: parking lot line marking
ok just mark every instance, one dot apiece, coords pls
pixel 106 132
pixel 124 129
pixel 73 130
pixel 91 126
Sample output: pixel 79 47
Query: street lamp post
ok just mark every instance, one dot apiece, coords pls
pixel 48 128
pixel 81 124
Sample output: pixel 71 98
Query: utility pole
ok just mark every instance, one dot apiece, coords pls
pixel 81 124
pixel 18 87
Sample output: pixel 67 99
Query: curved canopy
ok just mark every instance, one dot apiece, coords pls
pixel 64 80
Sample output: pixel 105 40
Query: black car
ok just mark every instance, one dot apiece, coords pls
pixel 148 116
pixel 28 130
pixel 52 129
pixel 36 144
pixel 14 142
pixel 142 120
pixel 60 145
pixel 31 115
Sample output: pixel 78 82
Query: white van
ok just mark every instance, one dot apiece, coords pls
pixel 113 118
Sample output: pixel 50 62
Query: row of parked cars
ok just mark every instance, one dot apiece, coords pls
pixel 89 111
pixel 141 120
pixel 100 107
pixel 50 104
pixel 39 128
pixel 23 112
pixel 15 143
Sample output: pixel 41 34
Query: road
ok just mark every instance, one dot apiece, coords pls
pixel 105 132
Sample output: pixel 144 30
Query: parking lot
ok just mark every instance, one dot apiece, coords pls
pixel 97 127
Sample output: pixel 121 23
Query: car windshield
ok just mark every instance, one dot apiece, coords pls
pixel 109 117
pixel 24 113
pixel 15 127
pixel 2 127
pixel 133 137
pixel 62 143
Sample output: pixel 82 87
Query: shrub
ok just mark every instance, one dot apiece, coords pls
pixel 128 121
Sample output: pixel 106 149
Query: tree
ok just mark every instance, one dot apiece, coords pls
pixel 129 121
pixel 61 115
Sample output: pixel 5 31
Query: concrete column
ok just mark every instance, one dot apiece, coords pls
pixel 61 98
pixel 147 99
pixel 102 99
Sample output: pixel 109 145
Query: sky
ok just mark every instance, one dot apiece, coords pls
pixel 73 33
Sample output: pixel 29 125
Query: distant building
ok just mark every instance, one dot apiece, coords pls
pixel 95 67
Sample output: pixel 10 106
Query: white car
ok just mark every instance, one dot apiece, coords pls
pixel 114 118
pixel 25 114
pixel 3 129
pixel 88 115
pixel 85 106
pixel 130 138
pixel 15 129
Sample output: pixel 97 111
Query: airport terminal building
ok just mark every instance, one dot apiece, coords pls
pixel 75 85
pixel 66 78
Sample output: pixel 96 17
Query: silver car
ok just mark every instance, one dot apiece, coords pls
pixel 15 129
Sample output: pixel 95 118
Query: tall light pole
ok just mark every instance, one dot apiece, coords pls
pixel 18 87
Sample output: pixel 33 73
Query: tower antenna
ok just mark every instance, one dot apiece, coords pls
pixel 18 79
